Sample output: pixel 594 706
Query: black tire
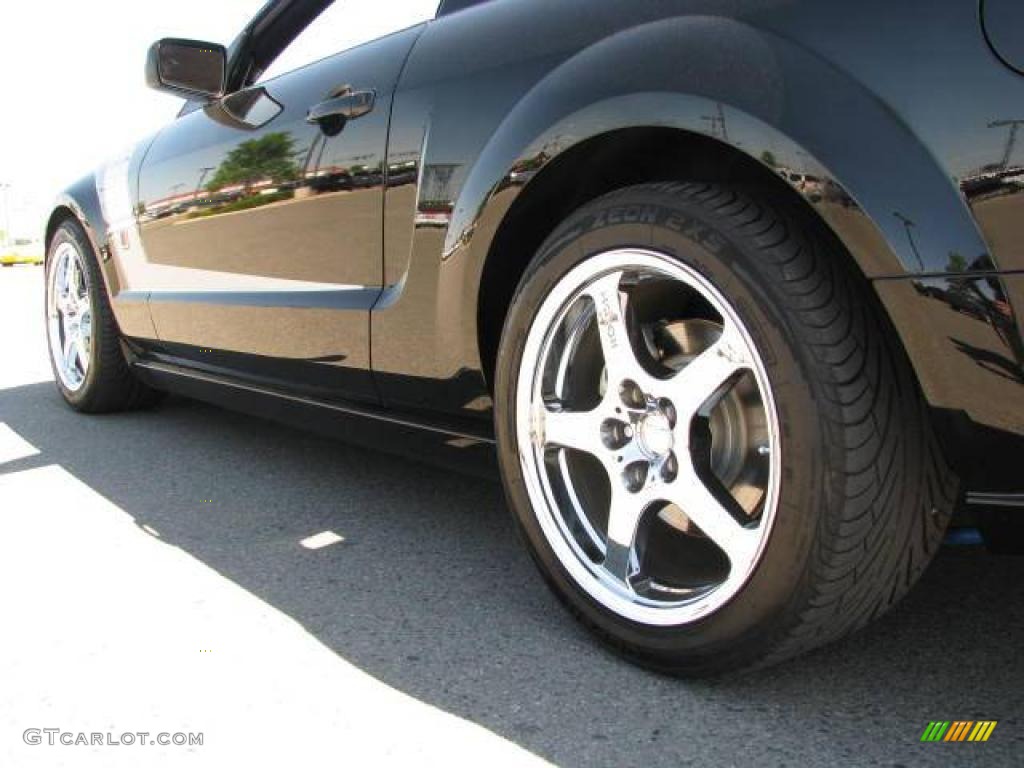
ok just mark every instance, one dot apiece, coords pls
pixel 109 384
pixel 865 494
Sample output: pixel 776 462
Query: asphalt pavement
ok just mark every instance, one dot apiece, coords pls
pixel 305 601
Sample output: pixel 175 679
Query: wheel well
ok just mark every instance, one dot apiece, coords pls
pixel 58 216
pixel 583 173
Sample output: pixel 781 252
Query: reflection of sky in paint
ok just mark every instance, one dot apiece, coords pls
pixel 951 84
pixel 915 66
pixel 174 163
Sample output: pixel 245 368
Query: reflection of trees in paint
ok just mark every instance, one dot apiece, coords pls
pixel 268 158
pixel 956 263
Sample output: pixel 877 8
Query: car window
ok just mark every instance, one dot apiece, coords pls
pixel 345 24
pixel 452 6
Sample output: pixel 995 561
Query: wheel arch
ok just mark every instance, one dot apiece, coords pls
pixel 60 213
pixel 777 112
pixel 79 202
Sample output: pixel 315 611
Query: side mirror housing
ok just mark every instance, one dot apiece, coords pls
pixel 187 67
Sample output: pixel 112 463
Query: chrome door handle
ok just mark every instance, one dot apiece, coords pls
pixel 348 105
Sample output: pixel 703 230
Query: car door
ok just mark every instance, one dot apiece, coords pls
pixel 260 217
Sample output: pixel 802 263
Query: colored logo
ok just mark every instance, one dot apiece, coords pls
pixel 959 730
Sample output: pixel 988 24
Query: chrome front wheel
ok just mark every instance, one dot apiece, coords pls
pixel 69 315
pixel 649 442
pixel 87 352
pixel 708 436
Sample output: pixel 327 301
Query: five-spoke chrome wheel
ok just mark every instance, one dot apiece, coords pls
pixel 69 316
pixel 648 436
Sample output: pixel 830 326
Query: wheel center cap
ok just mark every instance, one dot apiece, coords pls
pixel 654 434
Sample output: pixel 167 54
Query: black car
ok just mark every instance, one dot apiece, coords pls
pixel 674 259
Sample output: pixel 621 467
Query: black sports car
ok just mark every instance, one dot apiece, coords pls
pixel 690 266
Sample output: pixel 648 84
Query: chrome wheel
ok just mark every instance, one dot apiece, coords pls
pixel 648 437
pixel 69 316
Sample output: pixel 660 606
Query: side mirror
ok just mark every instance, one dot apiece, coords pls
pixel 245 110
pixel 187 67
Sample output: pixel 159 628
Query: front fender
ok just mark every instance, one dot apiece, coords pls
pixel 82 201
pixel 891 203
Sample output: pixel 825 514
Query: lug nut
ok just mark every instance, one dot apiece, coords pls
pixel 635 475
pixel 670 468
pixel 631 394
pixel 669 410
pixel 615 434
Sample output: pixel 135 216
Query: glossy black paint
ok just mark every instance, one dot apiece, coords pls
pixel 1002 20
pixel 285 208
pixel 895 122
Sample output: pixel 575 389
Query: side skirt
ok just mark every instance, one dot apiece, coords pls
pixel 463 447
